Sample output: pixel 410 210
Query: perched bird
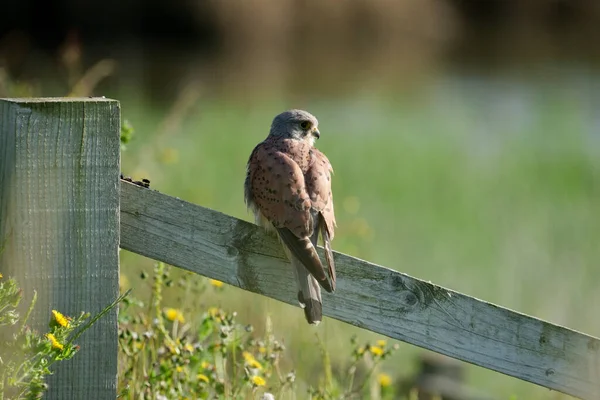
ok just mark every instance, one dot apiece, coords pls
pixel 288 188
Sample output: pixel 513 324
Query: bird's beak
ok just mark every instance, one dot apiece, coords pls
pixel 316 133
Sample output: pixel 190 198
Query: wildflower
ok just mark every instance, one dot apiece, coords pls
pixel 213 311
pixel 216 283
pixel 254 364
pixel 381 343
pixel 376 350
pixel 251 361
pixel 172 347
pixel 202 377
pixel 258 380
pixel 189 347
pixel 205 365
pixel 55 343
pixel 174 314
pixel 262 350
pixel 0 276
pixel 384 380
pixel 60 319
pixel 179 368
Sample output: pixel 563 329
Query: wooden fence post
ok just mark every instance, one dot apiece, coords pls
pixel 59 225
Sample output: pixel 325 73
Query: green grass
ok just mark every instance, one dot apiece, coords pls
pixel 216 356
pixel 500 203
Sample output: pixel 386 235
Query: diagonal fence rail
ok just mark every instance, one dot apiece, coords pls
pixel 369 296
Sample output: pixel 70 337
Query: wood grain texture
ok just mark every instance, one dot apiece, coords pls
pixel 368 296
pixel 59 221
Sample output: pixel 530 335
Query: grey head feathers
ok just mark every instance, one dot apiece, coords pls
pixel 295 124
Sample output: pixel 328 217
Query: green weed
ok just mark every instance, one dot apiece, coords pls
pixel 28 356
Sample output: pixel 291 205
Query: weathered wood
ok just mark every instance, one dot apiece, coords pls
pixel 59 222
pixel 368 296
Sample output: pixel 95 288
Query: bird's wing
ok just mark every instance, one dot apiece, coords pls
pixel 278 191
pixel 276 187
pixel 318 186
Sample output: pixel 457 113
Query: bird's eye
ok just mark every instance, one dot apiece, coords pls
pixel 304 124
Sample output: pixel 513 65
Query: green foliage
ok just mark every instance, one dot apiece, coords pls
pixel 365 358
pixel 127 132
pixel 163 355
pixel 26 356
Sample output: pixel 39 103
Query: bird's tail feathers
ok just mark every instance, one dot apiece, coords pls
pixel 305 251
pixel 309 293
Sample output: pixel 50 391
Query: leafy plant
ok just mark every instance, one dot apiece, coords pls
pixel 127 132
pixel 27 356
pixel 164 356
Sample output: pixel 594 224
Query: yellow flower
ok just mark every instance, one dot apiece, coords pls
pixel 360 350
pixel 1 276
pixel 55 343
pixel 213 311
pixel 381 343
pixel 205 365
pixel 216 283
pixel 376 350
pixel 60 319
pixel 202 377
pixel 262 350
pixel 251 361
pixel 173 349
pixel 179 368
pixel 189 347
pixel 254 364
pixel 173 314
pixel 258 381
pixel 384 380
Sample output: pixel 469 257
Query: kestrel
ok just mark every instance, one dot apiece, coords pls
pixel 288 188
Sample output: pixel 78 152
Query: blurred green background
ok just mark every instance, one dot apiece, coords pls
pixel 465 135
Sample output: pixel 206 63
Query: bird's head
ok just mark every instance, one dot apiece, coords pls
pixel 296 124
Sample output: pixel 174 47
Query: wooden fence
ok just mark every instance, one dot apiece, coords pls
pixel 64 213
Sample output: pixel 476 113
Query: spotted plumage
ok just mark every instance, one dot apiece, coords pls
pixel 288 188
